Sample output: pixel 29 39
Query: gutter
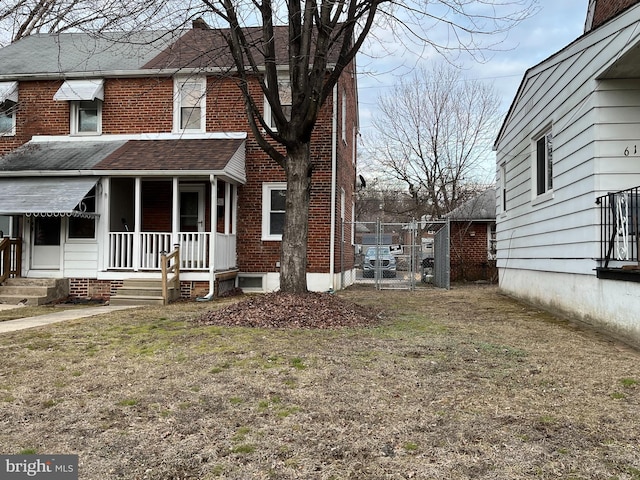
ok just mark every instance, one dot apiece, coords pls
pixel 212 243
pixel 334 175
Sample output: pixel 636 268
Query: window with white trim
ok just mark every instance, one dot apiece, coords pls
pixel 284 90
pixel 543 163
pixel 190 104
pixel 85 105
pixel 8 118
pixel 8 108
pixel 86 117
pixel 273 208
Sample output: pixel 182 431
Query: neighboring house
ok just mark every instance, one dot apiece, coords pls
pixel 568 158
pixel 472 239
pixel 116 149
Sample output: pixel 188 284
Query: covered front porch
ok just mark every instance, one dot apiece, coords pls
pixel 150 216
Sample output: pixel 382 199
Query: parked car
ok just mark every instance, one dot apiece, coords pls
pixel 386 259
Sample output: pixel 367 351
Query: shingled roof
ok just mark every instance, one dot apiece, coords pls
pixel 162 156
pixel 68 53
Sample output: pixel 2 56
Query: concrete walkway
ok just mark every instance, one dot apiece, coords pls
pixel 61 316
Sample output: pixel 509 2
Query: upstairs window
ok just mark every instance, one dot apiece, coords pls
pixel 284 90
pixel 85 105
pixel 8 108
pixel 86 117
pixel 543 173
pixel 190 105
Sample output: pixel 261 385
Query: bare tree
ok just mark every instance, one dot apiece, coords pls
pixel 21 18
pixel 323 39
pixel 434 136
pixel 320 31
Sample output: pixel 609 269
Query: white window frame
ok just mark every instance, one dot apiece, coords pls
pixel 284 89
pixel 178 85
pixel 542 163
pixel 9 103
pixel 74 113
pixel 267 188
pixel 10 108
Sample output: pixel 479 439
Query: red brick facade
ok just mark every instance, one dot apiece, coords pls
pixel 607 9
pixel 145 105
pixel 469 249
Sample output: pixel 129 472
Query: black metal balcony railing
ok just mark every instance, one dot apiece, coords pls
pixel 619 229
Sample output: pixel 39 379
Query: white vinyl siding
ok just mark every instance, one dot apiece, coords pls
pixel 561 233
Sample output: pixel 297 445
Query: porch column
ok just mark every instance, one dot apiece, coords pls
pixel 175 217
pixel 227 208
pixel 104 221
pixel 212 234
pixel 137 224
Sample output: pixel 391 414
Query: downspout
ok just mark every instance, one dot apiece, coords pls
pixel 212 240
pixel 334 175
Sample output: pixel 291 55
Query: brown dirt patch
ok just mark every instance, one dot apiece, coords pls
pixel 460 384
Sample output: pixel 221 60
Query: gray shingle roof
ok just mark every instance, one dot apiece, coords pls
pixel 481 207
pixel 44 54
pixel 55 156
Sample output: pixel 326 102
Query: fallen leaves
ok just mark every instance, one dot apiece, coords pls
pixel 284 310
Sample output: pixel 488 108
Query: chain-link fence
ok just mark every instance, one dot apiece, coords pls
pixel 396 255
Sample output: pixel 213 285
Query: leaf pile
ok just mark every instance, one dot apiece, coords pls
pixel 284 310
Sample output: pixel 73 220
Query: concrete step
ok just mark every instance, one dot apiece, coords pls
pixel 33 291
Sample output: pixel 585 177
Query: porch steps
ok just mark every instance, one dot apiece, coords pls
pixel 33 291
pixel 141 292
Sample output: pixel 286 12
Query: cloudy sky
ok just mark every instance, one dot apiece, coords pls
pixel 556 24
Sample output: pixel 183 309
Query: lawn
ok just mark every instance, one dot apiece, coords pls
pixel 456 384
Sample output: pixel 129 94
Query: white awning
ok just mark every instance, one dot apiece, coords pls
pixel 8 91
pixel 40 196
pixel 81 90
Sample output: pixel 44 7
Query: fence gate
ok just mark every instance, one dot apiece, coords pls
pixel 442 258
pixel 395 255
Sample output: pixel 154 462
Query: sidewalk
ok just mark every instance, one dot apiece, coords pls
pixel 61 316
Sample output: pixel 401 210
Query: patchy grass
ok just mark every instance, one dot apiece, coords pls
pixel 460 384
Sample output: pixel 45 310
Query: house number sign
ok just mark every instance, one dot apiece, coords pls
pixel 627 152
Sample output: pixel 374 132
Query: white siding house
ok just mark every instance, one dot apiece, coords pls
pixel 572 135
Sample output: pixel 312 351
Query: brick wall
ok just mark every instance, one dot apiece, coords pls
pixel 469 250
pixel 92 288
pixel 146 105
pixel 607 9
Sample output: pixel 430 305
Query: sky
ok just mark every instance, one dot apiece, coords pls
pixel 556 24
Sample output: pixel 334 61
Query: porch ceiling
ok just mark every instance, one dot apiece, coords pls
pixel 42 196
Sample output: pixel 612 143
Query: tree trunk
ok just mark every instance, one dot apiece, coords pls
pixel 293 262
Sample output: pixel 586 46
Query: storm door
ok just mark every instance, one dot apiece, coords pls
pixel 45 248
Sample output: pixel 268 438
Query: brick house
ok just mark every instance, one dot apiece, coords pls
pixel 113 150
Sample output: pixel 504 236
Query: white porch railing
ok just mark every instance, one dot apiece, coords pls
pixel 142 251
pixel 225 251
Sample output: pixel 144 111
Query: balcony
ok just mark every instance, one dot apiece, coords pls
pixel 619 235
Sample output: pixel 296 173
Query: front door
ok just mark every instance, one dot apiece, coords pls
pixel 192 208
pixel 193 246
pixel 45 244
